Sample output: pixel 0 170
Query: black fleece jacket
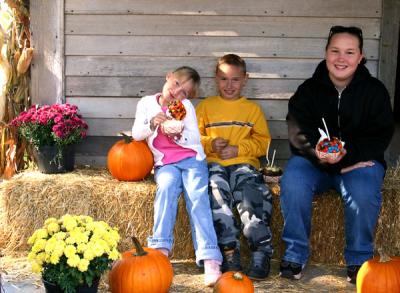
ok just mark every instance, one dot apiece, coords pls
pixel 362 117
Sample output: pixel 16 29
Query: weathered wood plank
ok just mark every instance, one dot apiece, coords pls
pixel 183 46
pixel 47 27
pixel 140 86
pixel 112 107
pixel 93 150
pixel 215 25
pixel 112 127
pixel 159 66
pixel 341 8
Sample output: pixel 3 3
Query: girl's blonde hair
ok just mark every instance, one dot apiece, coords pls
pixel 190 74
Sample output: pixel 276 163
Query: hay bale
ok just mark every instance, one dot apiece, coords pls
pixel 327 231
pixel 30 197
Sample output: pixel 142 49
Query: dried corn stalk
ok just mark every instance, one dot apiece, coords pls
pixel 15 59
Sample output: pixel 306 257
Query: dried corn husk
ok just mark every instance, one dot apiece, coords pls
pixel 25 60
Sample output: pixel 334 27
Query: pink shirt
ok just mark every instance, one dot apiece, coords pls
pixel 172 152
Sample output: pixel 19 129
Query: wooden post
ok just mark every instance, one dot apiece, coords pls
pixel 47 72
pixel 389 43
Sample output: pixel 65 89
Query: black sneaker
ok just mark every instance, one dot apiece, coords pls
pixel 352 273
pixel 231 260
pixel 290 270
pixel 259 266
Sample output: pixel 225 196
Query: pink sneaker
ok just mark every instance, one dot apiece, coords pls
pixel 211 272
pixel 164 251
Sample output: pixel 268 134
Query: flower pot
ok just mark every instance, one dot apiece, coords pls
pixel 54 288
pixel 48 163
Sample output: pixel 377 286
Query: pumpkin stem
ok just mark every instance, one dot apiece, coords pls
pixel 139 249
pixel 238 276
pixel 127 138
pixel 383 256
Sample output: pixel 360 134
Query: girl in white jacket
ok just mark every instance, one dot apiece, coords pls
pixel 180 167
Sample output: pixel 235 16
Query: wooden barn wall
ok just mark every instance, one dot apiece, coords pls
pixel 117 51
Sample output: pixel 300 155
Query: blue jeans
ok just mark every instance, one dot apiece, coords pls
pixel 361 193
pixel 190 177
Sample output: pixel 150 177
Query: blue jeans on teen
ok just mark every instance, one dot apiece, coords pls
pixel 190 177
pixel 360 190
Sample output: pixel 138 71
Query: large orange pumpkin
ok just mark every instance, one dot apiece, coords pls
pixel 129 160
pixel 141 270
pixel 233 282
pixel 379 275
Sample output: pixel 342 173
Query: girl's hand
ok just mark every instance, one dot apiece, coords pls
pixel 356 166
pixel 157 120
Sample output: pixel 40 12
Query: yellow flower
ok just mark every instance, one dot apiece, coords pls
pixel 69 250
pixel 83 265
pixel 81 248
pixel 88 254
pixel 39 245
pixel 60 235
pixel 54 259
pixel 41 233
pixel 114 254
pixel 36 268
pixel 73 260
pixel 50 220
pixel 53 228
pixel 69 222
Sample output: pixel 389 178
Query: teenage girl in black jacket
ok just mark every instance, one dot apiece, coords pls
pixel 356 108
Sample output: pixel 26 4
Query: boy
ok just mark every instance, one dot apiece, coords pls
pixel 234 133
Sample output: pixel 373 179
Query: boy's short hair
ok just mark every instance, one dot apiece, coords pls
pixel 191 74
pixel 231 59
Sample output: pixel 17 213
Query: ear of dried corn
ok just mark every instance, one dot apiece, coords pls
pixel 14 82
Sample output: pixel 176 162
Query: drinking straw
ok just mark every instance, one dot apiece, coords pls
pixel 266 155
pixel 273 158
pixel 326 128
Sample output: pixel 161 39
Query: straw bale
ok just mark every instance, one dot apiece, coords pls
pixel 30 197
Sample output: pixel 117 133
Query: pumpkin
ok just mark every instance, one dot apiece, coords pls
pixel 129 160
pixel 379 275
pixel 233 282
pixel 144 270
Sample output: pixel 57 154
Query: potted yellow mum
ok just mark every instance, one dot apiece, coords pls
pixel 73 252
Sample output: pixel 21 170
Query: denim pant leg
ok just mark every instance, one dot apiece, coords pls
pixel 195 189
pixel 361 193
pixel 300 181
pixel 169 187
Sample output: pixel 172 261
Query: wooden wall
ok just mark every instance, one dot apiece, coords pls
pixel 117 51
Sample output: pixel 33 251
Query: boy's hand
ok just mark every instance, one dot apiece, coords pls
pixel 218 144
pixel 228 152
pixel 157 120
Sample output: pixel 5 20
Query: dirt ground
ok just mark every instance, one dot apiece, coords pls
pixel 188 278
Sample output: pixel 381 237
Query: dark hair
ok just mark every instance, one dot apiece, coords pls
pixel 231 59
pixel 192 74
pixel 352 30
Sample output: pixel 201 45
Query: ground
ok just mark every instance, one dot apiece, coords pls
pixel 16 278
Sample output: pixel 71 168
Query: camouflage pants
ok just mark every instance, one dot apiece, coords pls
pixel 240 186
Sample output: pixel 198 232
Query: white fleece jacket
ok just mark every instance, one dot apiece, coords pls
pixel 147 108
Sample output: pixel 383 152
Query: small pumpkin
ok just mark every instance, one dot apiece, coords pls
pixel 129 160
pixel 379 275
pixel 141 270
pixel 233 282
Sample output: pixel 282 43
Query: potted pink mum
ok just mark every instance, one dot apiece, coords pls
pixel 52 130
